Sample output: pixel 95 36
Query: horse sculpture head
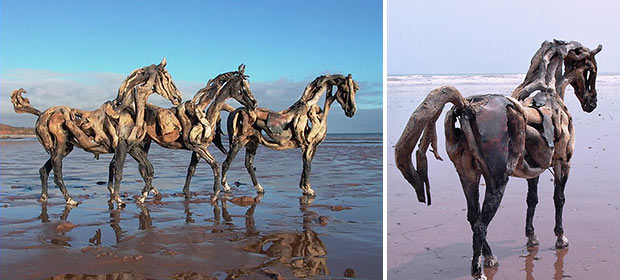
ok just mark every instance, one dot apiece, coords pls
pixel 346 95
pixel 238 87
pixel 580 69
pixel 151 79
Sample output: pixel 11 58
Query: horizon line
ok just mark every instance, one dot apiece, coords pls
pixel 487 73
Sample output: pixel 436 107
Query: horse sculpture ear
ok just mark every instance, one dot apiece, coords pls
pixel 163 63
pixel 597 50
pixel 241 68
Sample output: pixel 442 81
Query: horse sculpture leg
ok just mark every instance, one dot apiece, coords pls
pixel 304 183
pixel 146 171
pixel 206 155
pixel 61 152
pixel 250 152
pixel 471 189
pixel 111 175
pixel 492 198
pixel 532 200
pixel 191 169
pixel 235 146
pixel 44 173
pixel 561 170
pixel 120 153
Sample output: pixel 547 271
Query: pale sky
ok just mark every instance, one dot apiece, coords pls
pixel 471 37
pixel 77 53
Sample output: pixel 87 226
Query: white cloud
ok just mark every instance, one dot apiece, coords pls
pixel 89 90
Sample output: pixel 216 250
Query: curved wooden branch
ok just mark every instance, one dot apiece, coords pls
pixel 423 117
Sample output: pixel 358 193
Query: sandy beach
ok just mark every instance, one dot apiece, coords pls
pixel 242 236
pixel 434 242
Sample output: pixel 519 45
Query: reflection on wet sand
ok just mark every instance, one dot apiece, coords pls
pixel 303 252
pixel 144 218
pixel 175 237
pixel 120 275
pixel 529 262
pixel 559 264
pixel 188 213
pixel 115 224
pixel 532 256
pixel 57 235
pixel 250 223
pixel 96 239
pixel 45 217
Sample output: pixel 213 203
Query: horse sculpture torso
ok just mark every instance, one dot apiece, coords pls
pixel 501 136
pixel 116 127
pixel 303 125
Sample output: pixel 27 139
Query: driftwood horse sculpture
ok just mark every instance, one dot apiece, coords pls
pixel 188 126
pixel 501 136
pixel 303 125
pixel 118 126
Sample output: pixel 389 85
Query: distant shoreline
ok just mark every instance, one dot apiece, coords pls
pixel 17 136
pixel 482 74
pixel 32 136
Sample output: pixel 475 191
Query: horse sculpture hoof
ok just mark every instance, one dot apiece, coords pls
pixel 562 242
pixel 490 261
pixel 71 202
pixel 116 199
pixel 476 269
pixel 226 187
pixel 142 199
pixel 259 189
pixel 309 192
pixel 532 241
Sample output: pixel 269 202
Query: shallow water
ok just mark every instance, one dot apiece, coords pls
pixel 434 242
pixel 242 235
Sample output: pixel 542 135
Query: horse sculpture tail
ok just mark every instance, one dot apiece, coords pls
pixel 423 119
pixel 233 125
pixel 22 105
pixel 217 140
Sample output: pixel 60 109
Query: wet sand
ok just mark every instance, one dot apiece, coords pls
pixel 434 242
pixel 242 236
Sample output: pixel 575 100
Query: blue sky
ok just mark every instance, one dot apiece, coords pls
pixel 86 43
pixel 477 36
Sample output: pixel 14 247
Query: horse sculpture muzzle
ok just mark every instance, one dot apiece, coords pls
pixel 589 105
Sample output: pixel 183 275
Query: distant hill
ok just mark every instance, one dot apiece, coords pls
pixel 7 131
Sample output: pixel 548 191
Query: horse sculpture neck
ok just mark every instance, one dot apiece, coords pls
pixel 545 72
pixel 219 96
pixel 313 92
